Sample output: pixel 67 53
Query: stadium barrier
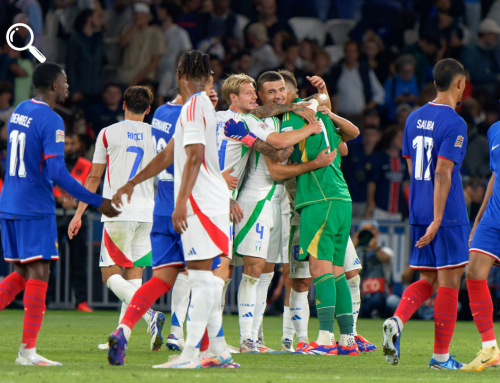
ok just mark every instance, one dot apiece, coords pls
pixel 395 235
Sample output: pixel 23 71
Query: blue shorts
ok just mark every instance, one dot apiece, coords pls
pixel 448 249
pixel 27 240
pixel 486 240
pixel 166 245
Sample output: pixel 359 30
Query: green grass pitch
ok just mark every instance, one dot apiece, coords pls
pixel 72 338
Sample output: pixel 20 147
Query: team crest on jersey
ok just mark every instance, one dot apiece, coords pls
pixel 59 135
pixel 258 245
pixel 459 141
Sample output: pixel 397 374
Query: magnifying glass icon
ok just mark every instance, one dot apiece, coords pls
pixel 10 40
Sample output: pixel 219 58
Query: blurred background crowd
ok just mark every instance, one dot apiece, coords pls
pixel 376 57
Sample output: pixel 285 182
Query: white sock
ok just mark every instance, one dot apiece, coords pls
pixel 149 314
pixel 202 302
pixel 299 313
pixel 180 303
pixel 247 295
pixel 122 312
pixel 224 291
pixel 261 303
pixel 288 330
pixel 489 344
pixel 215 331
pixel 356 299
pixel 346 340
pixel 441 357
pixel 124 290
pixel 324 338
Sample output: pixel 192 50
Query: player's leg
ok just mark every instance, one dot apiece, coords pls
pixel 288 328
pixel 180 303
pixel 299 308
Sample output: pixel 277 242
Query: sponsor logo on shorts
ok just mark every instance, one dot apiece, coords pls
pixel 192 251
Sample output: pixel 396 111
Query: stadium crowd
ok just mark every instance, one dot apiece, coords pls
pixel 375 56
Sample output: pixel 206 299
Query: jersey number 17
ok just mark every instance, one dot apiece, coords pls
pixel 423 144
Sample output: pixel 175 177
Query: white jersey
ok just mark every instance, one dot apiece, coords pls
pixel 197 124
pixel 259 184
pixel 235 154
pixel 127 147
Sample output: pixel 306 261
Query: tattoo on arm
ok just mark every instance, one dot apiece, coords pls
pixel 272 110
pixel 271 152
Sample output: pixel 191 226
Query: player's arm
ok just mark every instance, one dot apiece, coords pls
pixel 285 139
pixel 410 165
pixel 322 96
pixel 343 149
pixel 300 109
pixel 488 194
pixel 271 152
pixel 284 172
pixel 442 184
pixel 159 163
pixel 371 188
pixel 346 128
pixel 194 160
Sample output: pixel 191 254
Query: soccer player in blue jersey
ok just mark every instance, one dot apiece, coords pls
pixel 35 161
pixel 434 143
pixel 484 253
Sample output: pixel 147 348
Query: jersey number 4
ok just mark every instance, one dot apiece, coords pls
pixel 17 139
pixel 423 144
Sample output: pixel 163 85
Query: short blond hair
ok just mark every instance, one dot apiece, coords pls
pixel 233 85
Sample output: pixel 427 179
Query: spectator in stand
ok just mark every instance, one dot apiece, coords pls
pixel 6 93
pixel 85 59
pixel 218 73
pixel 9 67
pixel 67 10
pixel 79 168
pixel 223 13
pixel 376 272
pixel 474 195
pixel 455 45
pixel 371 117
pixel 441 22
pixel 192 21
pixel 267 16
pixel 473 17
pixel 109 111
pixel 482 59
pixel 379 59
pixel 355 167
pixel 424 52
pixel 212 45
pixel 32 9
pixel 263 56
pixel 321 69
pixel 402 113
pixel 403 87
pixel 242 62
pixel 388 178
pixel 143 47
pixel 490 108
pixel 427 94
pixel 277 42
pixel 22 85
pixel 356 87
pixel 308 46
pixel 477 157
pixel 290 49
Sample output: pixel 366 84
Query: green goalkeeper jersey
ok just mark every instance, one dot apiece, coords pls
pixel 324 184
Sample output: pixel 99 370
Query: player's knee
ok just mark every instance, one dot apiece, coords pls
pixel 474 273
pixel 300 285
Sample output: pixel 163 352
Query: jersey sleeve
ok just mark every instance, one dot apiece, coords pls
pixel 406 144
pixel 490 145
pixel 101 151
pixel 454 142
pixel 258 127
pixel 53 137
pixel 193 123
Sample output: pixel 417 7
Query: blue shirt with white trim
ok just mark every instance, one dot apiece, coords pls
pixel 490 216
pixel 433 131
pixel 163 124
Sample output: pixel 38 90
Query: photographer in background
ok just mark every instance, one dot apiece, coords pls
pixel 375 275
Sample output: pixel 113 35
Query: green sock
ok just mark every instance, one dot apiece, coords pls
pixel 344 305
pixel 325 301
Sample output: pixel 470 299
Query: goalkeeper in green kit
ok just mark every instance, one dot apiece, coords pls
pixel 324 203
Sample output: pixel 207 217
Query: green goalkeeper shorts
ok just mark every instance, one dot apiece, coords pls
pixel 324 231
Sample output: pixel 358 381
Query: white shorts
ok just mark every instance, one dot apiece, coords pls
pixel 259 232
pixel 126 244
pixel 206 237
pixel 300 269
pixel 285 237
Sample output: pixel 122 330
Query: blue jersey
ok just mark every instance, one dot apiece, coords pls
pixel 164 121
pixel 490 216
pixel 35 132
pixel 433 131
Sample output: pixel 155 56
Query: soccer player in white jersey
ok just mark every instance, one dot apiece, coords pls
pixel 122 150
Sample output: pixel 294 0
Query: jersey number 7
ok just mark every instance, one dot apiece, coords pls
pixel 138 158
pixel 421 144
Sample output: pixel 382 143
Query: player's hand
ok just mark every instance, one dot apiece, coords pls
pixel 429 235
pixel 315 128
pixel 179 217
pixel 232 182
pixel 74 226
pixel 127 189
pixel 324 158
pixel 108 209
pixel 373 244
pixel 328 112
pixel 213 97
pixel 237 130
pixel 317 82
pixel 235 212
pixel 301 109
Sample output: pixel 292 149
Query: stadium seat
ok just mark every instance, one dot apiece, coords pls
pixel 339 30
pixel 308 26
pixel 336 53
